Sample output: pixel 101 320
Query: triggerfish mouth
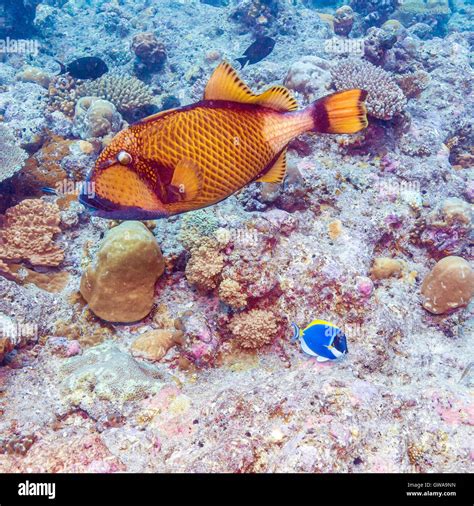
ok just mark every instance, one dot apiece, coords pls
pixel 321 339
pixel 195 156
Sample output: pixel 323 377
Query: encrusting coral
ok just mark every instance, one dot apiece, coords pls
pixel 35 75
pixel 150 52
pixel 155 344
pixel 27 234
pixel 384 268
pixel 119 284
pixel 385 98
pixel 12 157
pixel 43 169
pixel 105 372
pixel 448 286
pixel 254 329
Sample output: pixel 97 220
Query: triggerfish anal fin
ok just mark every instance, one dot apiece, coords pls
pixel 277 172
pixel 225 84
pixel 187 178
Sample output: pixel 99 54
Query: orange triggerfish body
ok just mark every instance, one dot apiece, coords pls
pixel 189 158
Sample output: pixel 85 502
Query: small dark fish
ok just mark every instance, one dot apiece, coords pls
pixel 257 51
pixel 89 67
pixel 50 191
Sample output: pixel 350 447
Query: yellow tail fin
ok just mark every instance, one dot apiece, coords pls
pixel 343 112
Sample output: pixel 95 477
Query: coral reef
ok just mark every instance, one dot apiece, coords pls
pixel 448 286
pixel 204 267
pixel 206 378
pixel 448 227
pixel 254 329
pixel 129 95
pixel 230 292
pixel 310 76
pixel 434 12
pixel 119 284
pixel 343 20
pixel 27 234
pixel 35 75
pixel 106 373
pixel 95 117
pixel 386 268
pixel 62 94
pixel 374 12
pixel 155 344
pixel 44 168
pixel 150 52
pixel 384 99
pixel 12 157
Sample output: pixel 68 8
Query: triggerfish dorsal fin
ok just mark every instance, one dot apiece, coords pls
pixel 155 116
pixel 277 172
pixel 278 98
pixel 225 84
pixel 187 178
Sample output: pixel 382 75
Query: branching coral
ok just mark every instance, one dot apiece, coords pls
pixel 127 93
pixel 28 232
pixel 196 227
pixel 12 157
pixel 230 292
pixel 384 99
pixel 62 94
pixel 254 328
pixel 204 267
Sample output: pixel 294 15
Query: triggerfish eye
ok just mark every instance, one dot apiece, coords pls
pixel 124 158
pixel 321 339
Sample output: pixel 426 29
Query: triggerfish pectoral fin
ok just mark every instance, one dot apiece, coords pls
pixel 187 178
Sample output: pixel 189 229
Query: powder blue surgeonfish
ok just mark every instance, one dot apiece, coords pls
pixel 321 339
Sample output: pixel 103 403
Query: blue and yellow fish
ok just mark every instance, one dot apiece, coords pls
pixel 321 339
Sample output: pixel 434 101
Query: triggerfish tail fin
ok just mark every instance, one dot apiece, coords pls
pixel 296 332
pixel 63 68
pixel 343 112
